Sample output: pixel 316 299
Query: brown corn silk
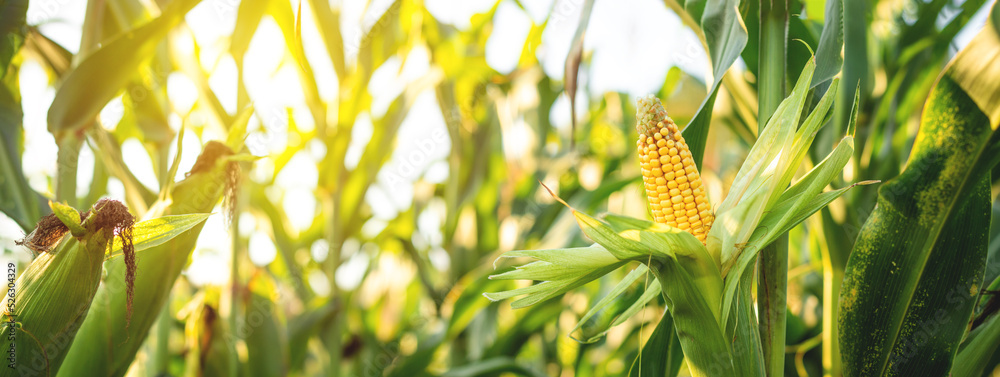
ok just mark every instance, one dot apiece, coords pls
pixel 49 231
pixel 673 186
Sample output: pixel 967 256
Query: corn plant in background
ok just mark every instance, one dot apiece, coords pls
pixel 742 234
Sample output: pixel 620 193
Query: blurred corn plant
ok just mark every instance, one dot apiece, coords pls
pixel 396 161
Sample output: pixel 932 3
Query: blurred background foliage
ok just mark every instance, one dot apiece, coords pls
pixel 402 148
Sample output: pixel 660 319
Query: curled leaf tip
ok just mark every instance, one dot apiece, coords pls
pixel 557 196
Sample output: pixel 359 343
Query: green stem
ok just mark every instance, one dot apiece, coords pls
pixel 835 246
pixel 833 276
pixel 334 333
pixel 234 274
pixel 771 64
pixel 67 160
pixel 772 283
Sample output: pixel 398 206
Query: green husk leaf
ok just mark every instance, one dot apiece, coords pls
pixel 557 288
pixel 607 300
pixel 70 217
pixel 648 295
pixel 759 181
pixel 575 258
pixel 662 354
pixel 155 232
pixel 705 348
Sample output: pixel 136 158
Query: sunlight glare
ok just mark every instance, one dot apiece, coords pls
pixel 85 170
pixel 139 163
pixel 300 207
pixel 261 250
pixel 503 50
pixel 182 92
pixel 222 80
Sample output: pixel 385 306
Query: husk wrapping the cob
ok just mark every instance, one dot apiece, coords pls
pixel 52 297
pixel 106 344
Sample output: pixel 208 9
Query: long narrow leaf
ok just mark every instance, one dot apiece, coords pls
pixel 917 266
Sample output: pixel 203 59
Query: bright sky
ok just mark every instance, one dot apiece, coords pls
pixel 630 47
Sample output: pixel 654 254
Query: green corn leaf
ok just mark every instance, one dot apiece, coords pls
pixel 155 232
pixel 744 330
pixel 773 212
pixel 662 354
pixel 974 356
pixel 621 223
pixel 19 201
pixel 794 203
pixel 263 330
pixel 766 170
pixel 721 30
pixel 100 76
pixel 831 42
pixel 976 70
pixel 773 142
pixel 807 133
pixel 639 243
pixel 917 266
pixel 12 30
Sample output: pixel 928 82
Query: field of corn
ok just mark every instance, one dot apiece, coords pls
pixel 500 188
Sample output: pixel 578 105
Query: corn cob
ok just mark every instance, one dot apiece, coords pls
pixel 105 345
pixel 673 185
pixel 54 294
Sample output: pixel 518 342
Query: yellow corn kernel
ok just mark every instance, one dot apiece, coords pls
pixel 673 185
